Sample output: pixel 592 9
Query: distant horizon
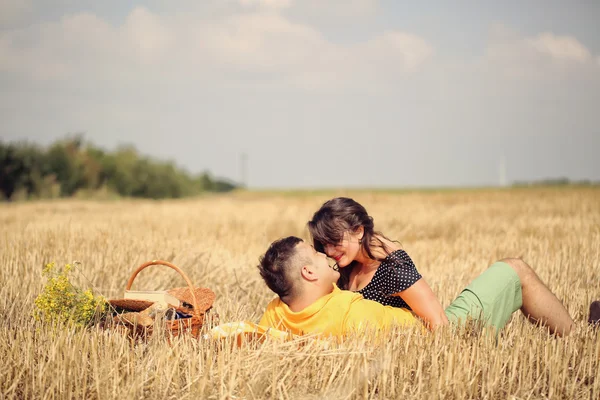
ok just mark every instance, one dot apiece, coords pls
pixel 543 181
pixel 516 185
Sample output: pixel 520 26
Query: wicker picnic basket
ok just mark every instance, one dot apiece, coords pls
pixel 138 316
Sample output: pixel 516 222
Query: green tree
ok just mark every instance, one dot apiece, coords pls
pixel 70 165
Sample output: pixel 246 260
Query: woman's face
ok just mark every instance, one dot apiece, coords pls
pixel 345 251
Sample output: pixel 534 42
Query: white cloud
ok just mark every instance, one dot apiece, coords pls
pixel 408 50
pixel 263 41
pixel 535 57
pixel 147 34
pixel 243 47
pixel 61 49
pixel 272 4
pixel 560 47
pixel 339 8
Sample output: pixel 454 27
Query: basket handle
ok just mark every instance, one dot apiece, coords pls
pixel 176 268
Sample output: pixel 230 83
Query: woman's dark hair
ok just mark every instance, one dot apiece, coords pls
pixel 336 217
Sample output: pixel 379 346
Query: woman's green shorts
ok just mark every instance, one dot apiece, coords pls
pixel 490 299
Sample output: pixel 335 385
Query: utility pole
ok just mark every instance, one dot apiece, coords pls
pixel 244 170
pixel 502 170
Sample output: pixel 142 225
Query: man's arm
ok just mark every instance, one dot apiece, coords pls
pixel 367 314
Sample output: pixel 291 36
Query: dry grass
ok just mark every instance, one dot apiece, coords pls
pixel 451 236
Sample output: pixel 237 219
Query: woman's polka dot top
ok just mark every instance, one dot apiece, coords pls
pixel 396 273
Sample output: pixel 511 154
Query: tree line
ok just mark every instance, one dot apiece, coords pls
pixel 72 166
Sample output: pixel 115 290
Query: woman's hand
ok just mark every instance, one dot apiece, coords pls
pixel 424 303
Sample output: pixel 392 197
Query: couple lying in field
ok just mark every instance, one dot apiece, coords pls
pixel 376 284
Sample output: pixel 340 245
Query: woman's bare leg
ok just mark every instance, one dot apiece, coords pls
pixel 540 305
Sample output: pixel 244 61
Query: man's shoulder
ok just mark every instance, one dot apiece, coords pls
pixel 267 317
pixel 275 302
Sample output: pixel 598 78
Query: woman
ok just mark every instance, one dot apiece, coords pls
pixel 370 263
pixel 376 267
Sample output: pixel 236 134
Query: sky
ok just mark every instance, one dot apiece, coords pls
pixel 314 93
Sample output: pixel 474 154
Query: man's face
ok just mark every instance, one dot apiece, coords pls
pixel 319 260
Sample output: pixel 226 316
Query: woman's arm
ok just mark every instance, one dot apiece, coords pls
pixel 424 303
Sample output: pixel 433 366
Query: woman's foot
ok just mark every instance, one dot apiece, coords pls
pixel 595 313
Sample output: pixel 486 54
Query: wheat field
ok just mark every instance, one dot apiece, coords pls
pixel 452 236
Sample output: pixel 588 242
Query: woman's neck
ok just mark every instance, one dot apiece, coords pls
pixel 379 250
pixel 364 263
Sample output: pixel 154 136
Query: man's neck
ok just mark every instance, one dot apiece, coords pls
pixel 305 299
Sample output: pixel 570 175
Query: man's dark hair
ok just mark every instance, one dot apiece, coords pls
pixel 276 264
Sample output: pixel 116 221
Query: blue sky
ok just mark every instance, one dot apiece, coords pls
pixel 316 93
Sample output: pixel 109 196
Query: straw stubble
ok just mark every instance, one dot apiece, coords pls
pixel 451 236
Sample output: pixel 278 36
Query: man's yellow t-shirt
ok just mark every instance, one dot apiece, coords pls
pixel 339 313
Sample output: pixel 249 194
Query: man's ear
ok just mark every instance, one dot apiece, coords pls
pixel 309 272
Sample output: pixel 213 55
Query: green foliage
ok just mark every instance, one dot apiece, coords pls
pixel 71 165
pixel 63 302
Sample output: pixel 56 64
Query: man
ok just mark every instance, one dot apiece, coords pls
pixel 310 302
